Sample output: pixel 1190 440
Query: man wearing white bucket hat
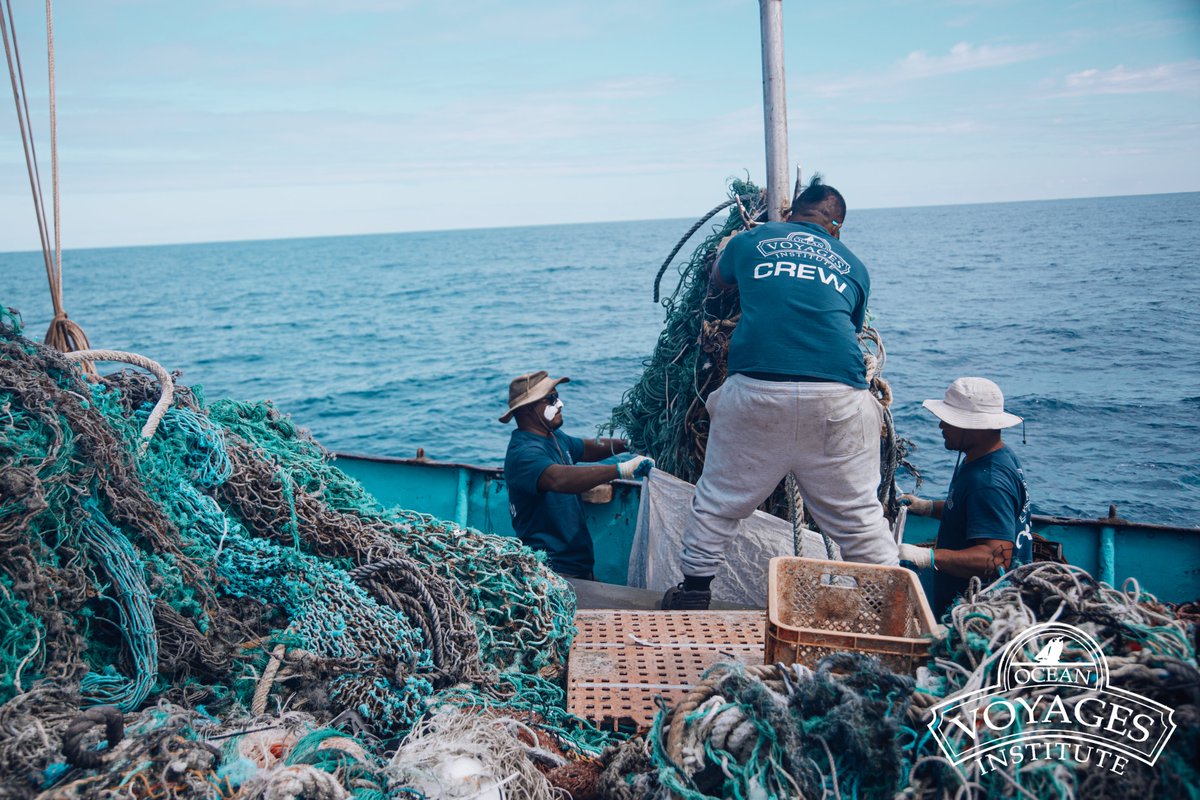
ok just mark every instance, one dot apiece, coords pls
pixel 545 477
pixel 985 516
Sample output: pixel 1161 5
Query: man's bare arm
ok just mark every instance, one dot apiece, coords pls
pixel 984 558
pixel 714 275
pixel 575 479
pixel 598 449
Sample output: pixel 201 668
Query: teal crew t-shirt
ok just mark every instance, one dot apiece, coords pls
pixel 549 521
pixel 988 499
pixel 804 300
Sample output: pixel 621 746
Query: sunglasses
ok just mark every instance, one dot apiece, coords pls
pixel 551 398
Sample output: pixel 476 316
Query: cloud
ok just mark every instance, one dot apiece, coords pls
pixel 924 129
pixel 1183 76
pixel 918 65
pixel 639 87
pixel 608 126
pixel 963 57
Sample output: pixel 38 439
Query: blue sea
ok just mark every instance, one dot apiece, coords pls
pixel 1084 311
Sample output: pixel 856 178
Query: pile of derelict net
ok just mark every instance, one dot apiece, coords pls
pixel 663 414
pixel 851 728
pixel 227 614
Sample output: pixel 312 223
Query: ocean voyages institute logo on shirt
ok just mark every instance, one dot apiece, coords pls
pixel 804 244
pixel 1052 702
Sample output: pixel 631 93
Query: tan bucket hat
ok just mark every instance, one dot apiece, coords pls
pixel 529 388
pixel 973 404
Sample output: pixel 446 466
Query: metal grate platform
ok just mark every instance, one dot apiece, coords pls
pixel 622 660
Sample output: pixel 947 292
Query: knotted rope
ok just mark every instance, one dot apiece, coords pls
pixel 796 515
pixel 72 745
pixel 164 381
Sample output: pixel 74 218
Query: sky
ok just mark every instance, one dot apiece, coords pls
pixel 262 119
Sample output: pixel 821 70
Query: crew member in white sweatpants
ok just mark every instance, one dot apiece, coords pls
pixel 796 399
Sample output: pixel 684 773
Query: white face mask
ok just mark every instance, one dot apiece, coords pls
pixel 552 411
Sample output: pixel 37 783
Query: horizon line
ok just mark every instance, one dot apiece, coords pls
pixel 560 224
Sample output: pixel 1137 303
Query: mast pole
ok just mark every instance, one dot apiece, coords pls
pixel 774 108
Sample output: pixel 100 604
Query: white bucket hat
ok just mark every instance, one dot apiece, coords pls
pixel 973 404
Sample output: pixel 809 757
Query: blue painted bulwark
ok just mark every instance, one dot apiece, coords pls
pixel 1163 560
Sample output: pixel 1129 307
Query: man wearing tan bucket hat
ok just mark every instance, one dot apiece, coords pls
pixel 545 479
pixel 986 516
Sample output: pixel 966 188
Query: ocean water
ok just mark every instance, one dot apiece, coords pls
pixel 1084 311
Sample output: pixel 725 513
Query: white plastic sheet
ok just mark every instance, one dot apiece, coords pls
pixel 658 540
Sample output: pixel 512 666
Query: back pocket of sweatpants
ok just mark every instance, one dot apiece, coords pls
pixel 847 435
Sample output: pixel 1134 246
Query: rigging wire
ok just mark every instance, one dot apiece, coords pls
pixel 16 76
pixel 62 334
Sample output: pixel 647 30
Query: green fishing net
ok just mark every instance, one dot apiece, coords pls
pixel 231 569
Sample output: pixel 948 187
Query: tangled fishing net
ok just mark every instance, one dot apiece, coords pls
pixel 1148 650
pixel 851 728
pixel 450 755
pixel 222 573
pixel 663 414
pixel 216 611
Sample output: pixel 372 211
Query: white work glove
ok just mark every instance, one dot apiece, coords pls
pixel 636 467
pixel 917 505
pixel 919 557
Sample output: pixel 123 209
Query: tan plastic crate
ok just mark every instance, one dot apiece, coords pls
pixel 622 661
pixel 815 608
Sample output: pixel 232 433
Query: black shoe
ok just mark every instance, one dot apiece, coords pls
pixel 679 599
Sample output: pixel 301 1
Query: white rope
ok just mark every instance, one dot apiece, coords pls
pixel 258 705
pixel 164 380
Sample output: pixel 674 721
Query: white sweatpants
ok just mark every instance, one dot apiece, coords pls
pixel 826 433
